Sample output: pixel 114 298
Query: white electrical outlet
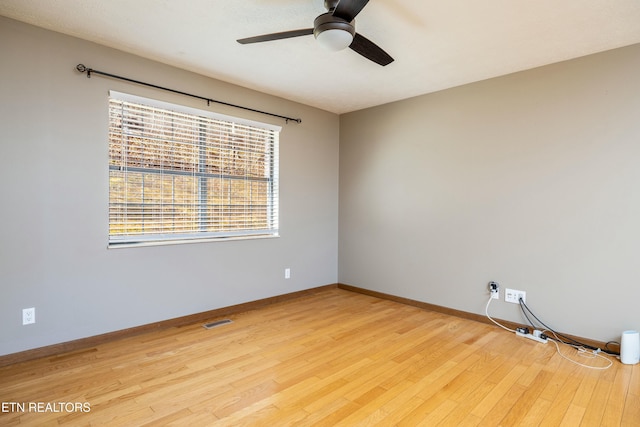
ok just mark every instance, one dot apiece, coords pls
pixel 494 289
pixel 28 316
pixel 287 273
pixel 513 296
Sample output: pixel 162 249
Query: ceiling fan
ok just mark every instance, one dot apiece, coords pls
pixel 335 30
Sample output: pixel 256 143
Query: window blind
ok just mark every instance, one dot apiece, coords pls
pixel 177 173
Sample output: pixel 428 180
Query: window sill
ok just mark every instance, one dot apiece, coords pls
pixel 125 245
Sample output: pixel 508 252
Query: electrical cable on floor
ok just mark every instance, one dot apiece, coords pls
pixel 524 306
pixel 592 354
pixel 606 347
pixel 567 340
pixel 486 311
pixel 583 350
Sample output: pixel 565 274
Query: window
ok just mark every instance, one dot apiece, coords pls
pixel 179 174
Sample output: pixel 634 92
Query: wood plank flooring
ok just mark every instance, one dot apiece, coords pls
pixel 335 358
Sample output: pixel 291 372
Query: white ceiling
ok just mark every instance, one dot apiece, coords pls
pixel 436 44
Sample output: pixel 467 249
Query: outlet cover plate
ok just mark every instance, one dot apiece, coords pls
pixel 28 316
pixel 513 296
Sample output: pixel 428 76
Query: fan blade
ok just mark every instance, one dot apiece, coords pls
pixel 370 50
pixel 348 9
pixel 276 36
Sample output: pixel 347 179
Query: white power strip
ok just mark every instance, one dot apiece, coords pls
pixel 535 336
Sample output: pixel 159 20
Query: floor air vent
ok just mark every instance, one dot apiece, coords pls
pixel 216 323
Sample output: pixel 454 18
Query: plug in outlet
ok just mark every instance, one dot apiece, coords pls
pixel 494 288
pixel 28 316
pixel 513 296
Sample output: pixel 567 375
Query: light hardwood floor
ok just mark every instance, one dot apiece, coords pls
pixel 333 358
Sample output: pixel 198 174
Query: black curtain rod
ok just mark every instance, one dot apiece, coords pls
pixel 89 71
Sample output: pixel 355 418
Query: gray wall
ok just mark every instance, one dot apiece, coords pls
pixel 529 179
pixel 54 200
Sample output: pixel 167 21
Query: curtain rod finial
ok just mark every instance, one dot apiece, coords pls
pixel 82 69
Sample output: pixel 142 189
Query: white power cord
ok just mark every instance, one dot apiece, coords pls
pixel 592 354
pixel 581 350
pixel 486 311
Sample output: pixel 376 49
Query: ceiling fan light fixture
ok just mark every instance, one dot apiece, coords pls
pixel 333 33
pixel 335 39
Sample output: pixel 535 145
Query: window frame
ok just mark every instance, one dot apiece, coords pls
pixel 199 176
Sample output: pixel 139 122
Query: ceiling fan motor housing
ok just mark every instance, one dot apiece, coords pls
pixel 330 5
